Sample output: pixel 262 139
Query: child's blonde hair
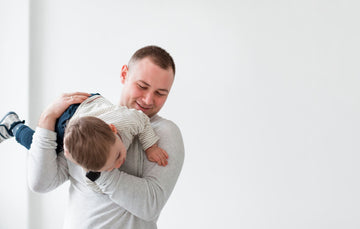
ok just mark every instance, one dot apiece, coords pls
pixel 88 140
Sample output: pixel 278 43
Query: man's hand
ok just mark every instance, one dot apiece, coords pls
pixel 55 109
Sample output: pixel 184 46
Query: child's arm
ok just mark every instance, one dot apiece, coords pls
pixel 157 154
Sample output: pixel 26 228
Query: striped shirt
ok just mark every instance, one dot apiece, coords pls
pixel 128 122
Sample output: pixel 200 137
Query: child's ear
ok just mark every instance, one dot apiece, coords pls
pixel 113 128
pixel 67 153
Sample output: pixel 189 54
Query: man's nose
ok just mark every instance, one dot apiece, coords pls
pixel 148 98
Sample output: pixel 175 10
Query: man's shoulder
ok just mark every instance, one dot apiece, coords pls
pixel 163 125
pixel 157 120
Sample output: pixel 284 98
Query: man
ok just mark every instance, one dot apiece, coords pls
pixel 130 197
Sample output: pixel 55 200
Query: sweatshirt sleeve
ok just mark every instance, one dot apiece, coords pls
pixel 145 196
pixel 46 169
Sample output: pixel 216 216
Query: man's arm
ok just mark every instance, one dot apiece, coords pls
pixel 146 196
pixel 46 170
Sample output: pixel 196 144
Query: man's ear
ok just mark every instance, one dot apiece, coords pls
pixel 113 128
pixel 124 72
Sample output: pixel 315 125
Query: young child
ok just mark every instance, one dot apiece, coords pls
pixel 90 141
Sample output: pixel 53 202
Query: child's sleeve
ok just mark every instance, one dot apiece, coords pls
pixel 148 136
pixel 136 123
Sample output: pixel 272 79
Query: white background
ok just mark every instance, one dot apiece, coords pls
pixel 266 95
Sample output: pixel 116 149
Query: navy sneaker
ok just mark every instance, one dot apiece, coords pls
pixel 9 121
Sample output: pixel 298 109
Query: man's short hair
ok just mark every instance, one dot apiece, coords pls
pixel 88 140
pixel 157 55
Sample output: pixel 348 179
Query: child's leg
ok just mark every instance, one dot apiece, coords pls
pixel 60 126
pixel 23 135
pixel 11 126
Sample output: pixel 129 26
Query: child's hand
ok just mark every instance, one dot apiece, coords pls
pixel 157 154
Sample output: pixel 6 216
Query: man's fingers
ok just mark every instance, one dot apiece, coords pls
pixel 76 97
pixel 76 94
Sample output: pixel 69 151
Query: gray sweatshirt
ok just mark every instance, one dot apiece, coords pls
pixel 132 197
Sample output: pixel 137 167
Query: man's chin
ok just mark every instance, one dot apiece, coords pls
pixel 146 111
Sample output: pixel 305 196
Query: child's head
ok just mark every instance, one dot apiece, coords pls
pixel 93 144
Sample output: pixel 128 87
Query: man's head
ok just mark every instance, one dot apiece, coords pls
pixel 147 80
pixel 93 144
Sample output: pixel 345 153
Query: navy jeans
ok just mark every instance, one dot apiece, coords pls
pixel 24 134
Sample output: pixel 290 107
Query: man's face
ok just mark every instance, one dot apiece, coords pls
pixel 145 86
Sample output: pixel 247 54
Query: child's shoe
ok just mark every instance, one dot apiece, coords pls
pixel 9 121
pixel 4 133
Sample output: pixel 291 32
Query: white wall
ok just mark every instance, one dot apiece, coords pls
pixel 266 95
pixel 14 96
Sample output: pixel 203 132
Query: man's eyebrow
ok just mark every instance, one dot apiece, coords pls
pixel 146 84
pixel 164 90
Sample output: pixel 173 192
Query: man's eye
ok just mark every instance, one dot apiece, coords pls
pixel 160 94
pixel 142 87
